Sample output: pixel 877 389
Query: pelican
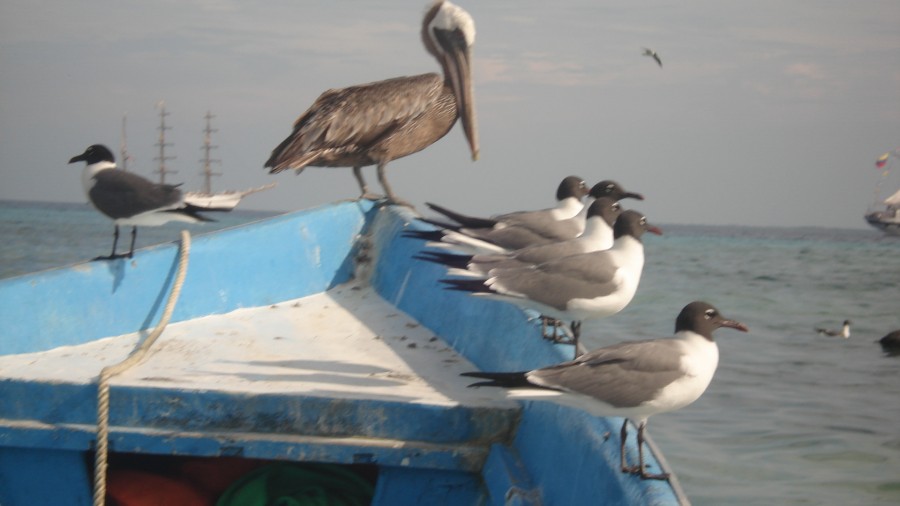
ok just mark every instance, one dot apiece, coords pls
pixel 375 123
pixel 652 54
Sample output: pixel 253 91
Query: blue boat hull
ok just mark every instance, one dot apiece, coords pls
pixel 533 453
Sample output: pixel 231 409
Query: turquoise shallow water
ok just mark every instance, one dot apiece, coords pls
pixel 790 418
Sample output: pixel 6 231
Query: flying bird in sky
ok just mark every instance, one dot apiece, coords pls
pixel 375 123
pixel 651 53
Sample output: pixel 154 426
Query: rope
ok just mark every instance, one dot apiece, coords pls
pixel 136 356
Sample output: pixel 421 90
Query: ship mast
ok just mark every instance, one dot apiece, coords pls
pixel 123 147
pixel 163 169
pixel 207 161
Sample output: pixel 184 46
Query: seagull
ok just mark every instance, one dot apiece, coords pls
pixel 569 196
pixel 634 380
pixel 506 232
pixel 376 123
pixel 890 343
pixel 597 236
pixel 129 199
pixel 844 332
pixel 577 287
pixel 505 237
pixel 613 190
pixel 651 53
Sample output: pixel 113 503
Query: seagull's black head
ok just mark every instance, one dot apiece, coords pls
pixel 702 318
pixel 572 186
pixel 94 154
pixel 613 190
pixel 633 223
pixel 606 208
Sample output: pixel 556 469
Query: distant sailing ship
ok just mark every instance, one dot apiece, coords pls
pixel 206 198
pixel 887 218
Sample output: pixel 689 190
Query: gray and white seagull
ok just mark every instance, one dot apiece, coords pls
pixel 576 287
pixel 514 231
pixel 597 236
pixel 844 332
pixel 634 380
pixel 129 199
pixel 517 229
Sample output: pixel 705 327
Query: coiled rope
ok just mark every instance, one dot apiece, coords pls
pixel 136 356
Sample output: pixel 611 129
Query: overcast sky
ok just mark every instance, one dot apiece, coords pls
pixel 765 112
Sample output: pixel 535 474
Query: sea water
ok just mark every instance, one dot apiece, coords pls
pixel 791 417
pixel 35 236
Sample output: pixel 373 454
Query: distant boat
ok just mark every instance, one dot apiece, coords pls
pixel 228 199
pixel 886 218
pixel 205 198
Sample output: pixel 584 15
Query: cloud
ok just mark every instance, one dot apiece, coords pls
pixel 538 68
pixel 810 71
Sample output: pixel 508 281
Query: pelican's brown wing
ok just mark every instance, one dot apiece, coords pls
pixel 350 120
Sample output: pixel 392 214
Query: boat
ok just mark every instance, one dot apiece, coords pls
pixel 221 201
pixel 206 198
pixel 885 216
pixel 886 219
pixel 313 340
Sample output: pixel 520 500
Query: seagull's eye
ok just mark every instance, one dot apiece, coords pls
pixel 610 188
pixel 616 207
pixel 643 221
pixel 710 313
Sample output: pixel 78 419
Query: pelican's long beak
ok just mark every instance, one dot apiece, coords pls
pixel 458 64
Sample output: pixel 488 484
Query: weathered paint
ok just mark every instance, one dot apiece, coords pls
pixel 37 477
pixel 400 486
pixel 281 258
pixel 572 457
pixel 507 480
pixel 548 455
pixel 337 364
